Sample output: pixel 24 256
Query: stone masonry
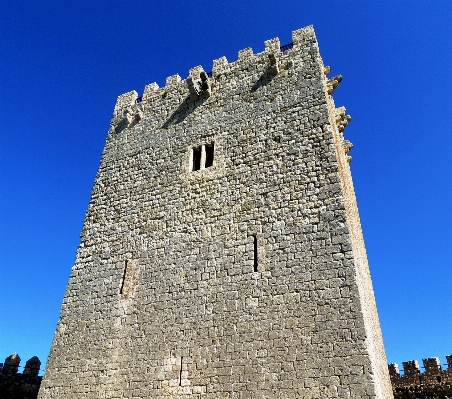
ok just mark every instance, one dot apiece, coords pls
pixel 14 385
pixel 221 254
pixel 434 383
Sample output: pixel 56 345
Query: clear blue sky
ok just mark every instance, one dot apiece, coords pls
pixel 62 65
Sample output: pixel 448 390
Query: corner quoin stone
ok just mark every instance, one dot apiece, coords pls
pixel 244 276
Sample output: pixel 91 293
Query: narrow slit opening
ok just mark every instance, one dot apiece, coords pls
pixel 196 159
pixel 209 155
pixel 255 253
pixel 123 278
pixel 180 372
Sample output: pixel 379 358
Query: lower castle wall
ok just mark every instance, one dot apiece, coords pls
pixel 14 385
pixel 434 383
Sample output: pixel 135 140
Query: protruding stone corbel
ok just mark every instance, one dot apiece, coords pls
pixel 326 70
pixel 274 69
pixel 333 83
pixel 342 119
pixel 128 117
pixel 138 116
pixel 200 87
pixel 347 145
pixel 193 89
pixel 205 85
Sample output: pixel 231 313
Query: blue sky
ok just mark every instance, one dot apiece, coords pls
pixel 62 65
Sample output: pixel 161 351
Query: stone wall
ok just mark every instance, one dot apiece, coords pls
pixel 222 254
pixel 434 383
pixel 14 385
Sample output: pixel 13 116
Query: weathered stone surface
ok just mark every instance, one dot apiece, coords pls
pixel 434 383
pixel 222 254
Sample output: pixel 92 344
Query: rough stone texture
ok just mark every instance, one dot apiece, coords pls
pixel 434 383
pixel 163 300
pixel 14 385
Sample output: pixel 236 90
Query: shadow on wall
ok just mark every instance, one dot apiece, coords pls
pixel 14 385
pixel 185 108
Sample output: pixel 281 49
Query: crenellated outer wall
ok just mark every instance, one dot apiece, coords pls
pixel 245 279
pixel 434 382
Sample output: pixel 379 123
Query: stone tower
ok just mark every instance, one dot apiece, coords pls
pixel 222 254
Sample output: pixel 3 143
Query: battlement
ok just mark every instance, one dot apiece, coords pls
pixel 413 381
pixel 175 86
pixel 20 385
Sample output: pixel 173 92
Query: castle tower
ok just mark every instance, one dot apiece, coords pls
pixel 222 254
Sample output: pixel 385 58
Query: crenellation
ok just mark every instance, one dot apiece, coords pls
pixel 394 370
pixel 32 366
pixel 245 54
pixel 432 365
pixel 150 92
pixel 220 65
pixel 11 364
pixel 414 384
pixel 301 37
pixel 449 361
pixel 173 80
pixel 272 46
pixel 195 71
pixel 411 367
pixel 20 385
pixel 126 100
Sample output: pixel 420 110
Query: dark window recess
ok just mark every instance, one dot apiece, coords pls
pixel 196 158
pixel 123 278
pixel 255 253
pixel 209 155
pixel 180 372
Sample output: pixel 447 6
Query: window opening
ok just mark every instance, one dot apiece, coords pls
pixel 209 155
pixel 196 158
pixel 123 278
pixel 202 157
pixel 180 372
pixel 129 279
pixel 255 253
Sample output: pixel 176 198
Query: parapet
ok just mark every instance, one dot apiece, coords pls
pixel 11 364
pixel 301 38
pixel 414 382
pixel 20 385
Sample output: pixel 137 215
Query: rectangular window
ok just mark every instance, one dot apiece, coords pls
pixel 209 155
pixel 202 157
pixel 196 159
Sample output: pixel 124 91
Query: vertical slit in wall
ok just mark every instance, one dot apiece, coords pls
pixel 196 158
pixel 123 278
pixel 180 372
pixel 255 253
pixel 209 155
